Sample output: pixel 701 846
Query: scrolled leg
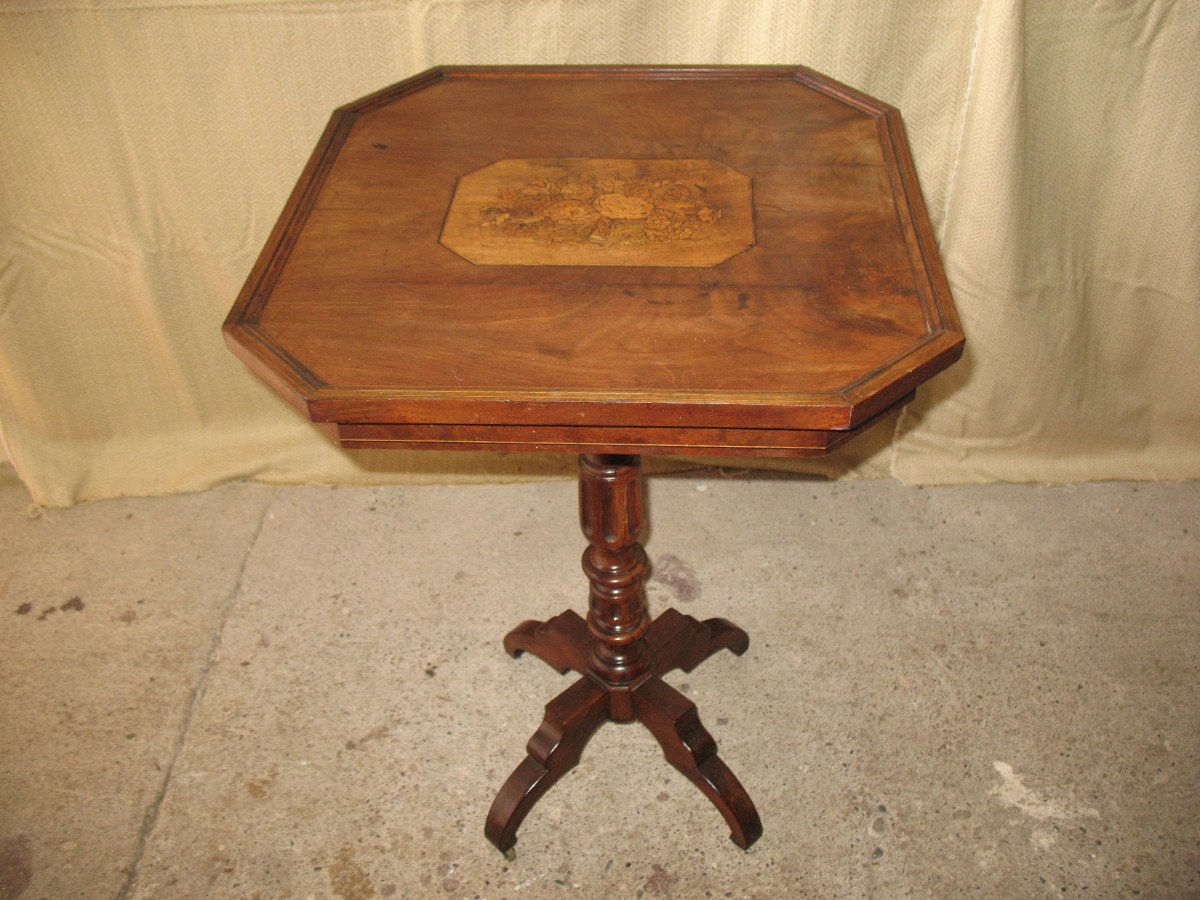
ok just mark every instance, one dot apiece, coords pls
pixel 570 721
pixel 673 721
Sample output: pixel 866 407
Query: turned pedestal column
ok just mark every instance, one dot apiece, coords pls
pixel 621 656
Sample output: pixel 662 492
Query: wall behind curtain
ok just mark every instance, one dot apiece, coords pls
pixel 149 145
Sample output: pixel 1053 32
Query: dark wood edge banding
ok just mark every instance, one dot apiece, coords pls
pixel 254 356
pixel 871 396
pixel 930 256
pixel 834 88
pixel 578 408
pixel 718 441
pixel 904 220
pixel 624 72
pixel 291 221
pixel 631 449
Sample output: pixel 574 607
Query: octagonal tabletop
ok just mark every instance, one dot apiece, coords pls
pixel 716 260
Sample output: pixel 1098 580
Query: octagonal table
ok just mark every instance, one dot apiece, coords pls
pixel 611 261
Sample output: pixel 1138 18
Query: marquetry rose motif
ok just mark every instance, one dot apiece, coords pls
pixel 587 208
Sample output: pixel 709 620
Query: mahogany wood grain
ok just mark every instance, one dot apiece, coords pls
pixel 612 516
pixel 583 439
pixel 622 657
pixel 724 260
pixel 367 307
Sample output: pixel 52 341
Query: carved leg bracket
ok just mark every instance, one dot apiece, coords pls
pixel 561 643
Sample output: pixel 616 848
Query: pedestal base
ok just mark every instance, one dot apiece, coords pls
pixel 674 641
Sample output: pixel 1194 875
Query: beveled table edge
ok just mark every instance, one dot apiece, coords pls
pixel 842 410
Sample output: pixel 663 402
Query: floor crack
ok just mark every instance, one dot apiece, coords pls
pixel 150 818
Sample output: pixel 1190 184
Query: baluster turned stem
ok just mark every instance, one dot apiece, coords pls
pixel 612 515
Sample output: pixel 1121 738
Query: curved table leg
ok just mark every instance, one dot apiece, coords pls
pixel 571 719
pixel 561 642
pixel 673 720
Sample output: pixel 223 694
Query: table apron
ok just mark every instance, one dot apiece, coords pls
pixel 597 439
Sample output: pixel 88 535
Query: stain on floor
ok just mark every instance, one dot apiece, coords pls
pixel 257 788
pixel 16 866
pixel 75 604
pixel 676 576
pixel 375 734
pixel 661 880
pixel 347 879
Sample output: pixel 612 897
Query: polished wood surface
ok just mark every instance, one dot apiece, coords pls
pixel 600 439
pixel 622 657
pixel 616 261
pixel 620 249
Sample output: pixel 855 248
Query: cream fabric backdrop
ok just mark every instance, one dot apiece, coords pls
pixel 148 147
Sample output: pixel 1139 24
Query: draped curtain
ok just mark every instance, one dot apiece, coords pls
pixel 148 146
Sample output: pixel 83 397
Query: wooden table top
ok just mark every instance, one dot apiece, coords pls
pixel 717 260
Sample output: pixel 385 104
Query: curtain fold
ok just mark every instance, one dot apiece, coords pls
pixel 149 147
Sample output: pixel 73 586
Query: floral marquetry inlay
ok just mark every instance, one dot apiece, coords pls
pixel 602 210
pixel 633 212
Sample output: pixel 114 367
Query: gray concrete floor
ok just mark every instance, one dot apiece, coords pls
pixel 300 692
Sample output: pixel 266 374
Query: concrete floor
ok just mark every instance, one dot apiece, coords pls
pixel 300 692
